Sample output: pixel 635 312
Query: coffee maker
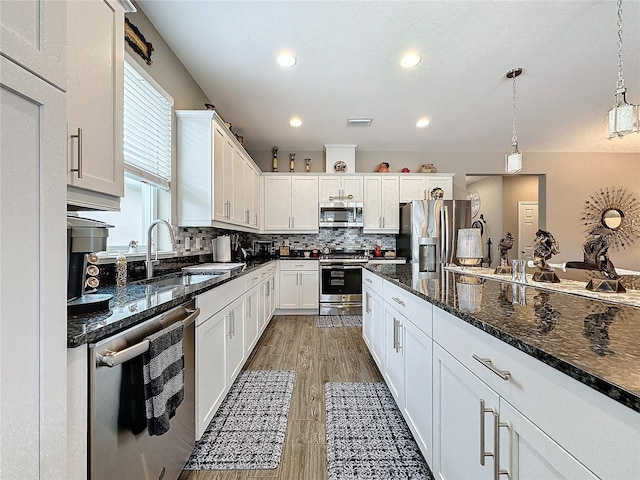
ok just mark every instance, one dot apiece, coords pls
pixel 84 236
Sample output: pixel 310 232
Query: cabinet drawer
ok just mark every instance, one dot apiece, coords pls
pixel 598 431
pixel 299 265
pixel 216 299
pixel 372 281
pixel 416 310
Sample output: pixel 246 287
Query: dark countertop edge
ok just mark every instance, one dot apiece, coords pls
pixel 615 392
pixel 124 324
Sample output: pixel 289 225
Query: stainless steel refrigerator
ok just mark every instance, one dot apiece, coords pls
pixel 432 225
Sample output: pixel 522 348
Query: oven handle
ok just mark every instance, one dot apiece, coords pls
pixel 113 359
pixel 335 266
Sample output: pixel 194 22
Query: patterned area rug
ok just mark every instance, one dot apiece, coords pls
pixel 367 438
pixel 248 430
pixel 338 321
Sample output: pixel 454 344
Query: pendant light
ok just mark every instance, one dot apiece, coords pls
pixel 513 160
pixel 622 119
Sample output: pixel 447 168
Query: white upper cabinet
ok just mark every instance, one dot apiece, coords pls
pixel 95 103
pixel 291 203
pixel 217 181
pixel 419 186
pixel 381 206
pixel 340 187
pixel 34 36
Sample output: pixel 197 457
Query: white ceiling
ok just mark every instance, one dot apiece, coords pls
pixel 348 66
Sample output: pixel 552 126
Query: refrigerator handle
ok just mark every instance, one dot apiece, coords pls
pixel 447 241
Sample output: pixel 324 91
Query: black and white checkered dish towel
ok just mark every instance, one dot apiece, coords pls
pixel 163 371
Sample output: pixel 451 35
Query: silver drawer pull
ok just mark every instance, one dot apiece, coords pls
pixel 368 280
pixel 397 300
pixel 503 374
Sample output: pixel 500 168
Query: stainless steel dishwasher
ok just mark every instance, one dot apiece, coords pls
pixel 120 446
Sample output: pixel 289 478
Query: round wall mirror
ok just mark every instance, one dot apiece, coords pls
pixel 612 218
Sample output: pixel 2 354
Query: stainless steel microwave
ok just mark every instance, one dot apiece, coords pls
pixel 341 214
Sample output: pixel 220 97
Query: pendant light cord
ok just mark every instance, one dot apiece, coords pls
pixel 514 139
pixel 620 83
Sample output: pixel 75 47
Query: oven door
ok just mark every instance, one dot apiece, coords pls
pixel 340 289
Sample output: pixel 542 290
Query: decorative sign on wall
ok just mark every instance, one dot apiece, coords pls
pixel 136 40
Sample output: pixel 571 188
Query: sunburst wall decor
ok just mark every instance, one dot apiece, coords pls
pixel 616 210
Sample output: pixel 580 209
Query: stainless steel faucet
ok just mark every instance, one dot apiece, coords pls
pixel 150 263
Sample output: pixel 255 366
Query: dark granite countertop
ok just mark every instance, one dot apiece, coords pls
pixel 138 302
pixel 592 341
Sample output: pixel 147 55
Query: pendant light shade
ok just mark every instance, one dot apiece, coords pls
pixel 513 160
pixel 623 118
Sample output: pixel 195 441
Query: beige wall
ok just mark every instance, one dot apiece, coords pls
pixel 518 188
pixel 490 191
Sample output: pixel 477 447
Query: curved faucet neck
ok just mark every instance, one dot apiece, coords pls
pixel 149 262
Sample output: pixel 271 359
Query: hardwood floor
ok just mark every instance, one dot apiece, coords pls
pixel 317 355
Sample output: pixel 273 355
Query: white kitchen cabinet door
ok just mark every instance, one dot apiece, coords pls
pixel 458 422
pixel 251 320
pixel 328 187
pixel 33 323
pixel 445 182
pixel 34 36
pixel 251 195
pixel 367 317
pixel 219 169
pixel 239 209
pixel 95 102
pixel 418 379
pixel 211 377
pixel 394 354
pixel 527 453
pixel 353 185
pixel 273 295
pixel 235 339
pixel 289 289
pixel 226 182
pixel 309 289
pixel 277 202
pixel 381 200
pixel 264 304
pixel 373 325
pixel 413 188
pixel 304 204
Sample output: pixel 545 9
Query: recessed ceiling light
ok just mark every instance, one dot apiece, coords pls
pixel 422 122
pixel 295 122
pixel 286 59
pixel 410 60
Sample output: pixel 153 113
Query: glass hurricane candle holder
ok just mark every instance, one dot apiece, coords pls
pixel 469 249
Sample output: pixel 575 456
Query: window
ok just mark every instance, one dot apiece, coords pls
pixel 147 157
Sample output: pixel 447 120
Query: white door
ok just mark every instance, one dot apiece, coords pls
pixel 277 203
pixel 353 186
pixel 289 289
pixel 219 205
pixel 413 188
pixel 304 204
pixel 458 421
pixel 367 317
pixel 527 228
pixel 239 209
pixel 394 353
pixel 251 320
pixel 377 319
pixel 527 453
pixel 309 289
pixel 328 186
pixel 235 339
pixel 211 375
pixel 390 205
pixel 228 161
pixel 418 376
pixel 372 213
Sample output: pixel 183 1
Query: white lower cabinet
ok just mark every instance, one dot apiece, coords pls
pixel 211 377
pixel 251 320
pixel 394 353
pixel 299 288
pixel 235 338
pixel 373 323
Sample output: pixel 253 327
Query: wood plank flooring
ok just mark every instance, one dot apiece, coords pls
pixel 317 355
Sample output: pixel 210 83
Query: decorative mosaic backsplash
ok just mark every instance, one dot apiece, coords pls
pixel 197 240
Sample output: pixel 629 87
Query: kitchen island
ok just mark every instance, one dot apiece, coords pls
pixel 556 375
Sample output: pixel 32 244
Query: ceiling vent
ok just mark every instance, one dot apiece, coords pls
pixel 359 122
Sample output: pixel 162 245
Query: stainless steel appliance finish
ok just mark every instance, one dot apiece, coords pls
pixel 341 214
pixel 341 284
pixel 115 393
pixel 434 219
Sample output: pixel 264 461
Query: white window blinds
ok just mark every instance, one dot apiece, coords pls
pixel 147 130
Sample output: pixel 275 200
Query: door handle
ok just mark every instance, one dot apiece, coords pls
pixel 497 425
pixel 484 454
pixel 79 137
pixel 398 301
pixel 368 280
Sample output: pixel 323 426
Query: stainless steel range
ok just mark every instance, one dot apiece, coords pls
pixel 341 283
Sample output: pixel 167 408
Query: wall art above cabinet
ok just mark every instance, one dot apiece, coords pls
pixel 217 182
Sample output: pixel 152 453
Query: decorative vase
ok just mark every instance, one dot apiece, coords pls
pixel 292 162
pixel 307 164
pixel 274 162
pixel 428 168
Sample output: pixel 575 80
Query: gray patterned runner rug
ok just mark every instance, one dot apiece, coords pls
pixel 248 430
pixel 338 321
pixel 367 438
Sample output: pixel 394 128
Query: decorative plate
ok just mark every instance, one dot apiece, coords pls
pixel 475 202
pixel 340 167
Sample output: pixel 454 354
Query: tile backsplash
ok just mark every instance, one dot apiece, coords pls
pixel 197 240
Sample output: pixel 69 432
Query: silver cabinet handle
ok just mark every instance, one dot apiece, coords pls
pixel 368 280
pixel 79 137
pixel 398 301
pixel 255 221
pixel 399 337
pixel 248 216
pixel 497 424
pixel 249 307
pixel 484 454
pixel 366 302
pixel 293 222
pixel 503 374
pixel 382 222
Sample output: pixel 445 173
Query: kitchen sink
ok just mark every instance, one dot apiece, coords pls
pixel 213 267
pixel 182 280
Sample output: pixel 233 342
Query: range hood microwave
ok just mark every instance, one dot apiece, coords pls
pixel 341 214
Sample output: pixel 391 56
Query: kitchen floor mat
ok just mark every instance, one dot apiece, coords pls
pixel 338 321
pixel 367 438
pixel 248 430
